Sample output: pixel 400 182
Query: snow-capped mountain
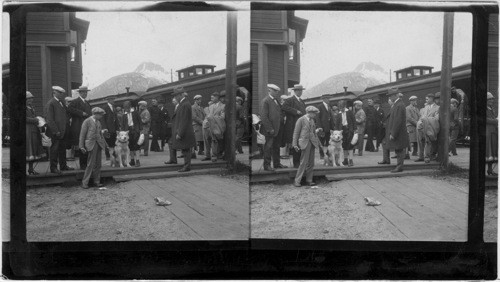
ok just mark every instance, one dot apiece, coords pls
pixel 365 75
pixel 146 75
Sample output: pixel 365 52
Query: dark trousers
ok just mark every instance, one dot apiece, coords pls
pixel 386 153
pixel 324 141
pixel 187 157
pixel 369 141
pixel 400 153
pixel 295 157
pixel 58 153
pixel 380 134
pixel 154 142
pixel 271 150
pixel 172 152
pixel 83 159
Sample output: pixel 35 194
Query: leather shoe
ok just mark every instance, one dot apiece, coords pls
pixel 184 169
pixel 55 170
pixel 205 159
pixel 310 183
pixel 67 168
pixel 170 162
pixel 383 162
pixel 396 170
pixel 85 186
pixel 280 166
pixel 268 168
pixel 297 184
pixel 419 160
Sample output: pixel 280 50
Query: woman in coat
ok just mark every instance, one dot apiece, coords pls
pixel 34 149
pixel 132 122
pixel 360 117
pixel 491 134
pixel 348 128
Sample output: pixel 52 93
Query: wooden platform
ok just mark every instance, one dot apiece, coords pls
pixel 288 173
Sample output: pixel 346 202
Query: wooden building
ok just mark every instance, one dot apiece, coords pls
pixel 276 37
pixel 53 54
pixel 493 55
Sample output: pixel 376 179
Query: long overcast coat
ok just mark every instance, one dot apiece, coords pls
pixel 182 125
pixel 396 126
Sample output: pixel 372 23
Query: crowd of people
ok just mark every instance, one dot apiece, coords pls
pixel 286 124
pixel 73 129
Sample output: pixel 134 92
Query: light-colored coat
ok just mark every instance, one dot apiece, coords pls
pixel 91 134
pixel 428 122
pixel 305 131
pixel 198 117
pixel 215 119
pixel 412 117
pixel 360 117
pixel 146 121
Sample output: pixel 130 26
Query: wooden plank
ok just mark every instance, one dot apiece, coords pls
pixel 374 175
pixel 163 175
pixel 353 199
pixel 408 225
pixel 447 194
pixel 146 196
pixel 232 223
pixel 193 214
pixel 436 216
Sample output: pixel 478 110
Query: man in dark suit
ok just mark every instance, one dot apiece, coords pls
pixel 370 125
pixel 163 120
pixel 111 123
pixel 379 130
pixel 398 137
pixel 323 122
pixel 154 111
pixel 294 108
pixel 182 128
pixel 272 122
pixel 79 110
pixel 58 128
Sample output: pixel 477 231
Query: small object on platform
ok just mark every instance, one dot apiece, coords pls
pixel 103 188
pixel 162 202
pixel 314 187
pixel 371 202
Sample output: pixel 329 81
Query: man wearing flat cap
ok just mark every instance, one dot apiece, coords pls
pixel 305 140
pixel 397 138
pixel 154 111
pixel 58 129
pixel 427 129
pixel 182 128
pixel 198 117
pixel 79 110
pixel 272 119
pixel 412 117
pixel 91 141
pixel 293 108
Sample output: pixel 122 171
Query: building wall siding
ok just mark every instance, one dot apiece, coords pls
pixel 276 62
pixel 59 71
pixel 493 55
pixel 34 77
pixel 266 19
pixel 45 21
pixel 255 78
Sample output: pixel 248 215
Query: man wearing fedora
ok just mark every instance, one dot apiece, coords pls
pixel 79 110
pixel 294 108
pixel 58 129
pixel 91 141
pixel 272 119
pixel 182 128
pixel 398 137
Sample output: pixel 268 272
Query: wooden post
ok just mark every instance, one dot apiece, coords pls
pixel 444 108
pixel 231 89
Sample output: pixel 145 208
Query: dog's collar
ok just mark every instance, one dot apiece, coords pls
pixel 336 141
pixel 121 141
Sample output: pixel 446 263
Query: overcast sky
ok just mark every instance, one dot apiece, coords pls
pixel 118 42
pixel 336 42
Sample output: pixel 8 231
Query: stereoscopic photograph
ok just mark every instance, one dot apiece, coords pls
pixel 361 125
pixel 137 126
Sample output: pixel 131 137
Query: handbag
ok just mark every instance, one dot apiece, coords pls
pixel 46 141
pixel 141 139
pixel 354 139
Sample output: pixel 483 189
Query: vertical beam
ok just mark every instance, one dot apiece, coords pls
pixel 446 68
pixel 231 55
pixel 477 127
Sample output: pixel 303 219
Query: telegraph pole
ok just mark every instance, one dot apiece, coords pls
pixel 444 108
pixel 231 89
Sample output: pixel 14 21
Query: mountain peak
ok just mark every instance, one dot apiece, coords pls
pixel 369 69
pixel 152 70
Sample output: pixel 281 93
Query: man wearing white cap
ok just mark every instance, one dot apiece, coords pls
pixel 272 122
pixel 58 129
pixel 294 108
pixel 412 117
pixel 198 117
pixel 91 141
pixel 79 110
pixel 305 140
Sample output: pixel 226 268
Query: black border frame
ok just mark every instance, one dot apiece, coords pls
pixel 256 258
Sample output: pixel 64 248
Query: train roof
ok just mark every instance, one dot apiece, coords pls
pixel 414 67
pixel 349 95
pixel 195 66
